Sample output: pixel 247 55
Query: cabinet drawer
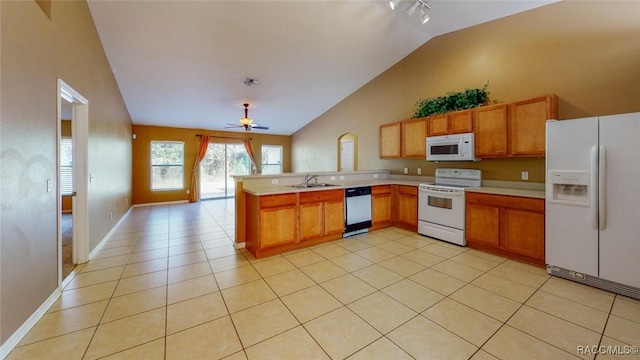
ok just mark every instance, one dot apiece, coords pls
pixel 408 190
pixel 277 200
pixel 381 189
pixel 513 202
pixel 319 196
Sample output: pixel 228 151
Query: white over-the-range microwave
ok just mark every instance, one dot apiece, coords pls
pixel 456 147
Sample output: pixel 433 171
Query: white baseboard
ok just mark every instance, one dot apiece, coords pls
pixel 240 245
pixel 162 203
pixel 17 336
pixel 109 234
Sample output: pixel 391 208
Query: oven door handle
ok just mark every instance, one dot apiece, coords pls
pixel 442 192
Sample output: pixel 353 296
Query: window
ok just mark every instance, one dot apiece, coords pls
pixel 167 165
pixel 271 159
pixel 66 166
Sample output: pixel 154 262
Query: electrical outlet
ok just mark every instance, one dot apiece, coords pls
pixel 274 181
pixel 525 175
pixel 49 185
pixel 188 192
pixel 91 177
pixel 419 171
pixel 375 176
pixel 332 178
pixel 341 177
pixel 406 170
pixel 110 214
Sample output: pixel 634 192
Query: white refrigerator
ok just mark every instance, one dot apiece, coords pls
pixel 592 215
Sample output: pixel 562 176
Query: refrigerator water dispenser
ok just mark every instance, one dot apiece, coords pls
pixel 569 187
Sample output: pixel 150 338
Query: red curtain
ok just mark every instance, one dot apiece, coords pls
pixel 204 143
pixel 247 145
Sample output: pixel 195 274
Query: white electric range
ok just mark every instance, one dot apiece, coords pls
pixel 441 206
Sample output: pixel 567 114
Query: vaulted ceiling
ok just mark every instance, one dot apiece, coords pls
pixel 181 63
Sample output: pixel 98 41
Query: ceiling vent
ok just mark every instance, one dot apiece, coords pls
pixel 249 81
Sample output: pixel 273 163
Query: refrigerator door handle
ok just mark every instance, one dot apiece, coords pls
pixel 594 193
pixel 602 198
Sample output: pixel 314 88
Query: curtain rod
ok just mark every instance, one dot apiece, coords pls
pixel 225 137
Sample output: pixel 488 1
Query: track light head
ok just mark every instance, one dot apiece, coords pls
pixel 412 9
pixel 393 4
pixel 423 13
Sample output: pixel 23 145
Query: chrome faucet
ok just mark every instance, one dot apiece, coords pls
pixel 310 177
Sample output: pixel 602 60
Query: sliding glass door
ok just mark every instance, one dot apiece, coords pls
pixel 219 164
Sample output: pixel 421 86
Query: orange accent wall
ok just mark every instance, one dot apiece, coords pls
pixel 142 193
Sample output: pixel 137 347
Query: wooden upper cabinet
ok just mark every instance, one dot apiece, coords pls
pixel 490 125
pixel 438 125
pixel 414 134
pixel 460 121
pixel 390 140
pixel 528 124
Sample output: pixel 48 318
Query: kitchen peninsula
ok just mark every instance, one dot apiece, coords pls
pixel 277 213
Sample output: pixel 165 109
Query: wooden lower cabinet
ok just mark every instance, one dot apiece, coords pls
pixel 283 222
pixel 406 207
pixel 380 206
pixel 321 213
pixel 511 226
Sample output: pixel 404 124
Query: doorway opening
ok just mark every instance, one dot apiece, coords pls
pixel 73 133
pixel 348 152
pixel 220 163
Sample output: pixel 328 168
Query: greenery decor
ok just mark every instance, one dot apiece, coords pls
pixel 453 101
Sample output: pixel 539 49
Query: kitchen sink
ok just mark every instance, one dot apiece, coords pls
pixel 314 185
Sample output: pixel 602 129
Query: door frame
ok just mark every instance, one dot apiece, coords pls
pixel 80 205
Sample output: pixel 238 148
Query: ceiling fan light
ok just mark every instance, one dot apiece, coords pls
pixel 412 9
pixel 246 121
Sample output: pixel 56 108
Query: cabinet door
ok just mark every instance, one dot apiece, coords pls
pixel 390 140
pixel 482 224
pixel 522 232
pixel 414 134
pixel 460 122
pixel 381 208
pixel 408 205
pixel 438 125
pixel 490 129
pixel 278 226
pixel 528 124
pixel 311 219
pixel 334 217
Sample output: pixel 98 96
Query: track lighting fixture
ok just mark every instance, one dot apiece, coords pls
pixel 422 4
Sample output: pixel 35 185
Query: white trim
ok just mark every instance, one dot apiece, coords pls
pixel 109 234
pixel 162 203
pixel 17 336
pixel 239 245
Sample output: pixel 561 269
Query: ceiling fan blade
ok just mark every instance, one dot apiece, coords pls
pixel 233 126
pixel 260 127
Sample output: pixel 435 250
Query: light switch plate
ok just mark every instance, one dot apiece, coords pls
pixel 49 185
pixel 375 176
pixel 332 178
pixel 341 177
pixel 406 170
pixel 274 181
pixel 419 171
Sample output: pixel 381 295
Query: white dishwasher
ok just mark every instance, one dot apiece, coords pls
pixel 357 210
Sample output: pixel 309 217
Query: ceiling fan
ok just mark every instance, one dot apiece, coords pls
pixel 246 122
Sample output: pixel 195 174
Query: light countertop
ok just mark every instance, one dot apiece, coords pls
pixel 283 189
pixel 539 194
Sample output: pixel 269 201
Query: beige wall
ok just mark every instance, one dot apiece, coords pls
pixel 142 193
pixel 585 52
pixel 36 51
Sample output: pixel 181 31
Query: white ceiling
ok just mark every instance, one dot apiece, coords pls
pixel 181 63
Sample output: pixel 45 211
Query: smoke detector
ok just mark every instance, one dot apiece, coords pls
pixel 247 81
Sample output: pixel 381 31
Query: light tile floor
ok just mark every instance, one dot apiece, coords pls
pixel 170 285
